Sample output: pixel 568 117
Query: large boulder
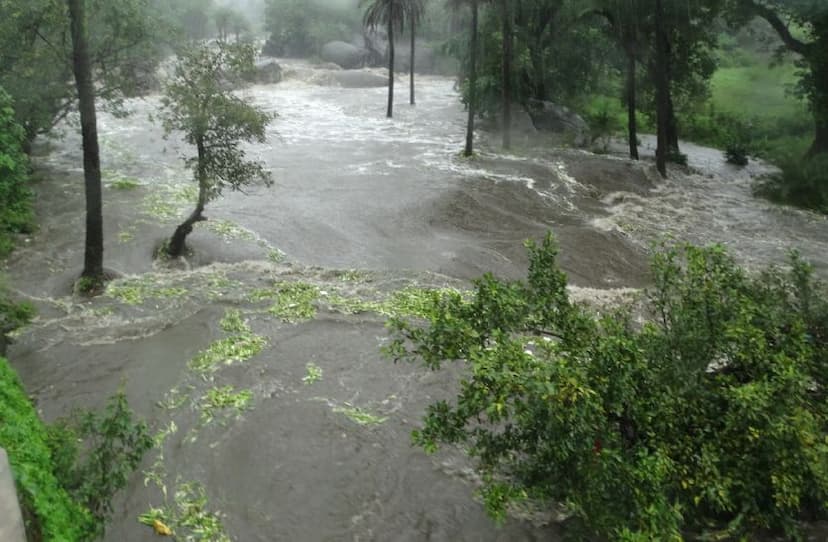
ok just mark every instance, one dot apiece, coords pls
pixel 424 57
pixel 522 125
pixel 268 72
pixel 557 119
pixel 359 79
pixel 343 54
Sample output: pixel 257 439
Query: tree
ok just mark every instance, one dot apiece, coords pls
pixel 812 17
pixel 416 11
pixel 125 40
pixel 15 195
pixel 239 25
pixel 472 80
pixel 506 65
pixel 662 88
pixel 711 418
pixel 82 67
pixel 216 122
pixel 223 19
pixel 625 24
pixel 391 14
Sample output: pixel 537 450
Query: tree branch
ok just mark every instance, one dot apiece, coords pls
pixel 779 25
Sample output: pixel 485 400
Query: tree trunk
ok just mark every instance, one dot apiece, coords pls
pixel 507 74
pixel 390 113
pixel 820 144
pixel 93 255
pixel 632 121
pixel 672 122
pixel 662 91
pixel 472 83
pixel 413 33
pixel 178 242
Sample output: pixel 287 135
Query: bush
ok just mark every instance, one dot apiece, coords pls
pixel 736 153
pixel 15 196
pixel 802 182
pixel 711 417
pixel 51 514
pixel 113 445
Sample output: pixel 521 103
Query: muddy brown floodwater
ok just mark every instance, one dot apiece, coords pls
pixel 318 444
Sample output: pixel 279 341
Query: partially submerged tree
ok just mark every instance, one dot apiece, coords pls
pixel 811 44
pixel 471 98
pixel 93 271
pixel 216 122
pixel 391 14
pixel 416 11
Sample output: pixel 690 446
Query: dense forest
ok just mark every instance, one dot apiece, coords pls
pixel 695 411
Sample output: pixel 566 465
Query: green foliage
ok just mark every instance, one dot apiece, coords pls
pixel 50 512
pixel 242 345
pixel 803 183
pixel 96 453
pixel 710 417
pixel 13 315
pixel 223 400
pixel 127 38
pixel 299 28
pixel 15 196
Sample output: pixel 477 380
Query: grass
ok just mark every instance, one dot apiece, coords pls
pixel 313 373
pixel 228 351
pixel 50 512
pixel 124 183
pixel 135 291
pixel 224 399
pixel 359 416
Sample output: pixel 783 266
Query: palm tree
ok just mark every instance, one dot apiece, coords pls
pixel 391 14
pixel 473 50
pixel 416 11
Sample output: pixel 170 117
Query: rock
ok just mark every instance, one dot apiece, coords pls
pixel 344 54
pixel 424 57
pixel 268 72
pixel 359 79
pixel 554 118
pixel 522 124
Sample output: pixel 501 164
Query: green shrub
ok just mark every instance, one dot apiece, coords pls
pixel 711 417
pixel 802 182
pixel 96 453
pixel 15 196
pixel 51 513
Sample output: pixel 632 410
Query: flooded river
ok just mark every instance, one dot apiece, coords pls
pixel 362 207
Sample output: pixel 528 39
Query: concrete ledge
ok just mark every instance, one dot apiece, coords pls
pixel 11 521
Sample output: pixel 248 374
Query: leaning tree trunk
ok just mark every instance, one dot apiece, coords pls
pixel 632 121
pixel 178 241
pixel 472 83
pixel 413 33
pixel 390 113
pixel 507 75
pixel 93 255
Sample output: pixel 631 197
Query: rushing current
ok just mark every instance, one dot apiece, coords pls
pixel 352 190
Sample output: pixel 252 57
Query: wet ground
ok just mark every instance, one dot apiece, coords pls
pixel 320 450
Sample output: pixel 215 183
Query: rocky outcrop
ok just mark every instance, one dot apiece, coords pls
pixel 358 79
pixel 268 72
pixel 557 119
pixel 425 58
pixel 343 54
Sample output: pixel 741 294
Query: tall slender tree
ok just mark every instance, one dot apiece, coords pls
pixel 508 44
pixel 416 11
pixel 391 14
pixel 472 77
pixel 662 81
pixel 94 251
